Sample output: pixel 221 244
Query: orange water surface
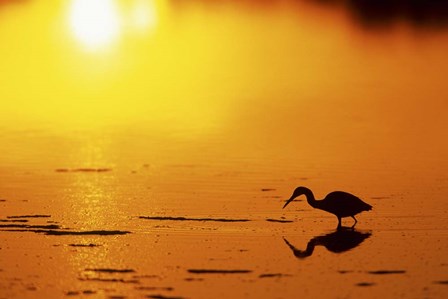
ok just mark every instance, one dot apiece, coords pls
pixel 147 148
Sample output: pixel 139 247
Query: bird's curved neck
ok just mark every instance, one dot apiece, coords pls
pixel 310 198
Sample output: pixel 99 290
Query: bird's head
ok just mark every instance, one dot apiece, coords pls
pixel 299 191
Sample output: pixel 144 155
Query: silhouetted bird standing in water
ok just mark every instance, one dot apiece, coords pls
pixel 341 204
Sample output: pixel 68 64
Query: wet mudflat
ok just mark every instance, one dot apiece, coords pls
pixel 152 158
pixel 164 257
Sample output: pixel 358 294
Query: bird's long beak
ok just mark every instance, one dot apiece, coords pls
pixel 289 200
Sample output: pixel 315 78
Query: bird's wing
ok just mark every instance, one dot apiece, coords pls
pixel 338 195
pixel 346 202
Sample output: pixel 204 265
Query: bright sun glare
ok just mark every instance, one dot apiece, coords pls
pixel 98 23
pixel 95 23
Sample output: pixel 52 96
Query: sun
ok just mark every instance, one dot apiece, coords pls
pixel 95 23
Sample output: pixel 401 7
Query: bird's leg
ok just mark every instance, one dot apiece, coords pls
pixel 356 221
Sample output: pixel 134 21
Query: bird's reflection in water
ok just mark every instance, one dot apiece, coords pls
pixel 341 240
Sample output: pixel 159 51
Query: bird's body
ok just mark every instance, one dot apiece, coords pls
pixel 339 203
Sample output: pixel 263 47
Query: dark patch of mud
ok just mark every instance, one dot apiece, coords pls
pixel 14 220
pixel 31 288
pixel 78 293
pixel 109 275
pixel 83 169
pixel 441 282
pixel 84 245
pixel 218 271
pixel 193 279
pixel 269 275
pixel 385 272
pixel 161 218
pixel 71 233
pixel 119 280
pixel 279 220
pixel 91 232
pixel 158 296
pixel 27 226
pixel 364 284
pixel 267 189
pixel 110 270
pixel 28 216
pixel 345 271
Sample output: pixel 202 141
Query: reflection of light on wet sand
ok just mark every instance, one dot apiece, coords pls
pixel 90 193
pixel 90 201
pixel 95 23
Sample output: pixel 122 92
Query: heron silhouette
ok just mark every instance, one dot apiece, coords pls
pixel 337 242
pixel 339 203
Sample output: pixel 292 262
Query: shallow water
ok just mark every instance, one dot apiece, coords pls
pixel 151 155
